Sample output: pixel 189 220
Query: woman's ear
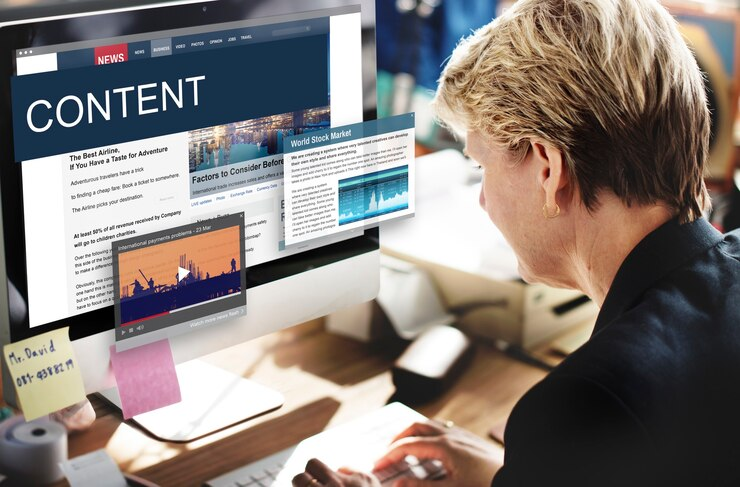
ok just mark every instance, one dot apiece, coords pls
pixel 551 173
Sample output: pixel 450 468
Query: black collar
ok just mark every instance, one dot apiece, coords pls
pixel 666 248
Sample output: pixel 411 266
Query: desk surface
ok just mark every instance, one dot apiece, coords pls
pixel 326 380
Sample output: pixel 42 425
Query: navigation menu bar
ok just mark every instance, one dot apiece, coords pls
pixel 191 43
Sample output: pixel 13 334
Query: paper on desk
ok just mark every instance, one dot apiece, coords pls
pixel 93 469
pixel 146 377
pixel 453 231
pixel 45 372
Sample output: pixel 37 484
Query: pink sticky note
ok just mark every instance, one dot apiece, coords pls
pixel 146 377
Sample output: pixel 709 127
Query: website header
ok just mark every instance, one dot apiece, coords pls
pixel 70 110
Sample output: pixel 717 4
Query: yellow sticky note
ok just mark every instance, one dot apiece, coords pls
pixel 45 372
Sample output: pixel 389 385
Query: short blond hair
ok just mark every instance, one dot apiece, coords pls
pixel 609 82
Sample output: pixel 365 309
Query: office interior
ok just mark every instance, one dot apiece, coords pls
pixel 343 363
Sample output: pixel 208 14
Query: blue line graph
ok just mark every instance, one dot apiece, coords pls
pixel 374 194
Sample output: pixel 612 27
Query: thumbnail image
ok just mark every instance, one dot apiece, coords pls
pixel 372 195
pixel 251 139
pixel 168 277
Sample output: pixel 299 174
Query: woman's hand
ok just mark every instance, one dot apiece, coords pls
pixel 468 459
pixel 317 474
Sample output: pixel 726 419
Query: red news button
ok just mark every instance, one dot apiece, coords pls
pixel 117 53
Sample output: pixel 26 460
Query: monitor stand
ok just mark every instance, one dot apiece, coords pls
pixel 212 399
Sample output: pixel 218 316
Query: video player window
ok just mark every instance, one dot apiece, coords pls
pixel 179 279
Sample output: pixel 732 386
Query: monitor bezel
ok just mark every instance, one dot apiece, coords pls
pixel 137 17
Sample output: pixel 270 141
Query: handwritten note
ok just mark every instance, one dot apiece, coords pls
pixel 146 377
pixel 45 372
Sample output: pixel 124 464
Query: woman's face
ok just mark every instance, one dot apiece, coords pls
pixel 513 198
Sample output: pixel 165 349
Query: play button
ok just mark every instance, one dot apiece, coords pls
pixel 182 273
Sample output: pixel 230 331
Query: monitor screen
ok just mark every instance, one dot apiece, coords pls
pixel 149 125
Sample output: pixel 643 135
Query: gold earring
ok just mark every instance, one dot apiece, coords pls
pixel 547 213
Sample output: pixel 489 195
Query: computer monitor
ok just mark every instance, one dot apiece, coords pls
pixel 148 118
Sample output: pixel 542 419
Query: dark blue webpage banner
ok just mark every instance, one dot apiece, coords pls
pixel 52 112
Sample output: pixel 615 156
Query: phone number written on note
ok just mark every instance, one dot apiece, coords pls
pixel 43 373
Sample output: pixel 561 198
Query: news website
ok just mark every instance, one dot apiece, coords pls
pixel 144 133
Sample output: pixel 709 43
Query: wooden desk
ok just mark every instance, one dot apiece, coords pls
pixel 326 380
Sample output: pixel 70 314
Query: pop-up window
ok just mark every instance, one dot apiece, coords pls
pixel 179 279
pixel 348 177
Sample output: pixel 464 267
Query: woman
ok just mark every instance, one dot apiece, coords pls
pixel 589 120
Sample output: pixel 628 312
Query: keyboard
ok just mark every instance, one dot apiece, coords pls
pixel 356 445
